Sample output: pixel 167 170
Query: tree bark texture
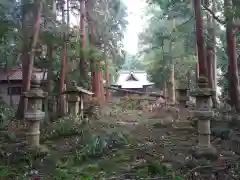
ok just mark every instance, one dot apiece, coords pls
pixel 62 80
pixel 202 63
pixel 83 64
pixel 233 80
pixel 211 53
pixel 108 93
pixel 61 105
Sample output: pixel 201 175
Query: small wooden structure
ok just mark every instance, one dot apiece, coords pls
pixel 75 98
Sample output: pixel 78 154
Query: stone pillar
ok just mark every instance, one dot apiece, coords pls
pixel 203 114
pixel 73 99
pixel 34 113
pixel 183 94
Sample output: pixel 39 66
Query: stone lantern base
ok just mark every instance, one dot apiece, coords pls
pixel 203 113
pixel 209 152
pixel 40 150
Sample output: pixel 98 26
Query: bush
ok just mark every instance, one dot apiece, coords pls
pixel 98 145
pixel 131 103
pixel 66 126
pixel 6 115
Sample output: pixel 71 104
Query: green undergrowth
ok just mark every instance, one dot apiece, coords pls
pixel 76 151
pixel 63 127
pixel 131 103
pixel 118 163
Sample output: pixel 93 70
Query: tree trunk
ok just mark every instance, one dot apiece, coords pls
pixel 62 81
pixel 50 82
pixel 67 43
pixel 200 39
pixel 28 61
pixel 95 72
pixel 233 80
pixel 83 65
pixel 108 94
pixel 102 86
pixel 93 82
pixel 215 56
pixel 171 88
pixel 211 53
pixel 197 66
pixel 61 109
pixel 165 92
pixel 97 84
pixel 197 71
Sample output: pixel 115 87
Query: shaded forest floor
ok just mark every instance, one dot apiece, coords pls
pixel 120 145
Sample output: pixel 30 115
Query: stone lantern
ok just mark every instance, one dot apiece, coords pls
pixel 183 94
pixel 34 113
pixel 203 114
pixel 75 98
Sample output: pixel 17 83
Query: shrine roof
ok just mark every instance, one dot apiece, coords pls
pixel 132 79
